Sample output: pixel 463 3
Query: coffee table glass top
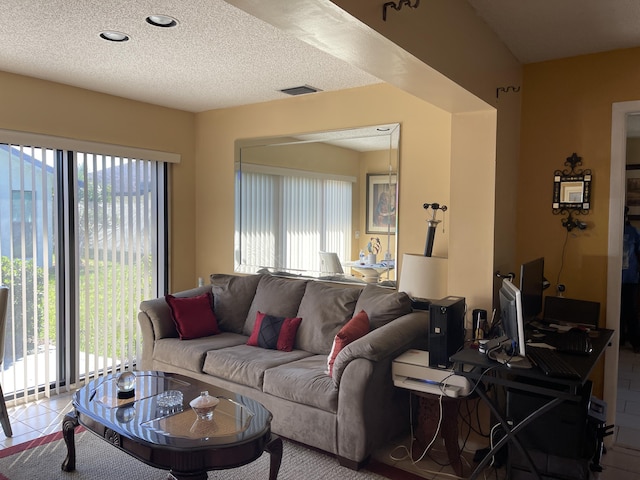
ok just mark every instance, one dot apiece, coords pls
pixel 235 418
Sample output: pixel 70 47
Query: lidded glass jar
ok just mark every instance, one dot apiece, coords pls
pixel 204 405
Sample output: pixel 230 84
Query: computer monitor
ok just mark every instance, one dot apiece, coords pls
pixel 511 316
pixel 330 263
pixel 531 286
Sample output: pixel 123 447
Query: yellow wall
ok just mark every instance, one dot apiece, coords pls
pixel 424 163
pixel 38 106
pixel 566 108
pixel 450 58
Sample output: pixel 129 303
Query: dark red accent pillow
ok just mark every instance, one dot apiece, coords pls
pixel 193 316
pixel 355 328
pixel 274 333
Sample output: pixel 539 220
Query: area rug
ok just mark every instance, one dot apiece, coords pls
pixel 97 460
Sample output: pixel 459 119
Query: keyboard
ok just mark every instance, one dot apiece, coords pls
pixel 551 363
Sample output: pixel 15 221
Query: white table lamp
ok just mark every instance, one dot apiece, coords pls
pixel 424 277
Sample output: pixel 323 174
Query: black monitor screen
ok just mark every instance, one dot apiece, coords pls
pixel 531 286
pixel 511 317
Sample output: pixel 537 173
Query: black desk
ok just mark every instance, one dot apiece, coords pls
pixel 479 368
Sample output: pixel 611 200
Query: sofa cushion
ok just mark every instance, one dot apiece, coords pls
pixel 303 381
pixel 355 328
pixel 246 365
pixel 193 316
pixel 191 354
pixel 279 297
pixel 383 305
pixel 232 296
pixel 159 312
pixel 275 333
pixel 325 308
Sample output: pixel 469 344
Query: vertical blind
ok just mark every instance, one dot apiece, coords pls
pixel 28 251
pixel 83 245
pixel 116 220
pixel 309 214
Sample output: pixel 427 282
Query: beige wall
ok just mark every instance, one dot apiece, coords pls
pixel 427 145
pixel 424 164
pixel 37 106
pixel 452 60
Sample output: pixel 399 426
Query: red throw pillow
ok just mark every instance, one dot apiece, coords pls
pixel 193 316
pixel 355 328
pixel 275 333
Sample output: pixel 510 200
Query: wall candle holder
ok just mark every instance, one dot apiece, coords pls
pixel 572 193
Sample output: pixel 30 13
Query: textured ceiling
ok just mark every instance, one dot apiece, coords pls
pixel 219 56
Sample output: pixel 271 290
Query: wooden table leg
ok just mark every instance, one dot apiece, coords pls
pixel 69 425
pixel 191 476
pixel 274 448
pixel 428 416
pixel 4 416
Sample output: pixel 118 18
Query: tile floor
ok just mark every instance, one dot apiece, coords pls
pixel 35 419
pixel 627 428
pixel 621 462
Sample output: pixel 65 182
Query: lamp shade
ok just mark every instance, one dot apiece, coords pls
pixel 424 277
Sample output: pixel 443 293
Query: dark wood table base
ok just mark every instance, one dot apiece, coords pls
pixel 428 416
pixel 274 448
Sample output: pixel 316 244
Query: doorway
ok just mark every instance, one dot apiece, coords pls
pixel 622 392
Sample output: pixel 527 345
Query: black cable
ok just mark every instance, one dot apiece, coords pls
pixel 564 247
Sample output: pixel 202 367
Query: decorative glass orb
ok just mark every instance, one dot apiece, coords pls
pixel 126 384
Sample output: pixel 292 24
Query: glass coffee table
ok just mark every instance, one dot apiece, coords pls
pixel 173 438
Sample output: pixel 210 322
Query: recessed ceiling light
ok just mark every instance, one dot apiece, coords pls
pixel 164 21
pixel 114 36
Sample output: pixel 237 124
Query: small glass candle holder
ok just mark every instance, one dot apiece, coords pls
pixel 170 399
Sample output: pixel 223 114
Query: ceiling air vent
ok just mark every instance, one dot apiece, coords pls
pixel 302 90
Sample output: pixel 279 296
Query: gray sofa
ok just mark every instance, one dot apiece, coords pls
pixel 351 413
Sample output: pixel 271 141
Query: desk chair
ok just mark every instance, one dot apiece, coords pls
pixel 570 310
pixel 4 415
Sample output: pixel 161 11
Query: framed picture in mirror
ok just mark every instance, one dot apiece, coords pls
pixel 381 202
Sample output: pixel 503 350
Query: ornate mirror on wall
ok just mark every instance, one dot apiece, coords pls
pixel 310 204
pixel 572 192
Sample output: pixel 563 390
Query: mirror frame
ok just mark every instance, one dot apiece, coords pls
pixel 569 182
pixel 385 134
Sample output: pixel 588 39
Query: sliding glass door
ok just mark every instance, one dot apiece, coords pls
pixel 82 246
pixel 28 251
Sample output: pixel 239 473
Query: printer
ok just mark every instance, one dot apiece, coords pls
pixel 411 371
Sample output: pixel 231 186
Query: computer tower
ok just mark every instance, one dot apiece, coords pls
pixel 559 442
pixel 446 330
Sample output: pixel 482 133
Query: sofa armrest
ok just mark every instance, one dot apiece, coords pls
pixel 390 340
pixel 156 322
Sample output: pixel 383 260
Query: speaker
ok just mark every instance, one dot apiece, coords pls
pixel 446 330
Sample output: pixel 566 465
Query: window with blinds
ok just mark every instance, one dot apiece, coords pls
pixel 284 217
pixel 83 244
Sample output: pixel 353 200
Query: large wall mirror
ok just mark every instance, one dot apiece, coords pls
pixel 320 204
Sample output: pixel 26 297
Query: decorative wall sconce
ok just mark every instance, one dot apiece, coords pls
pixel 398 6
pixel 572 193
